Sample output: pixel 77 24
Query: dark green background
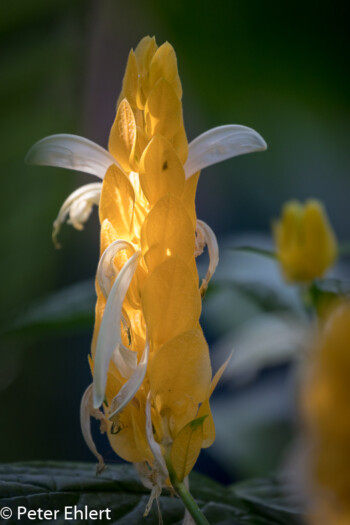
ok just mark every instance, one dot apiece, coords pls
pixel 281 68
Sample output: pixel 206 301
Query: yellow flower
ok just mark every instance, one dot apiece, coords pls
pixel 149 359
pixel 326 401
pixel 305 242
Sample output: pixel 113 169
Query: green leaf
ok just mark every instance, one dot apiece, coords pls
pixel 187 446
pixel 70 309
pixel 323 293
pixel 256 251
pixel 55 485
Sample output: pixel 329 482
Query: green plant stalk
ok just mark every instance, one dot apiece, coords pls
pixel 185 495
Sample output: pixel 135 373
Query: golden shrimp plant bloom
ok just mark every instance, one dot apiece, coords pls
pixel 306 244
pixel 149 358
pixel 326 402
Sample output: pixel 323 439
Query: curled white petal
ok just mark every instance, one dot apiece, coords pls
pixel 159 462
pixel 129 389
pixel 125 360
pixel 206 236
pixel 71 152
pixel 106 271
pixel 78 207
pixel 221 143
pixel 86 412
pixel 110 334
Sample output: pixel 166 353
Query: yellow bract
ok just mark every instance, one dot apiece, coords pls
pixel 123 134
pixel 161 171
pixel 117 202
pixel 305 242
pixel 171 301
pixel 175 365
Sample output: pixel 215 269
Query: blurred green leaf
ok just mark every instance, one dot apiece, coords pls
pixel 270 498
pixel 70 309
pixel 55 485
pixel 256 251
pixel 324 293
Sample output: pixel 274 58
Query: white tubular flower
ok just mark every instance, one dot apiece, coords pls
pixel 206 236
pixel 129 389
pixel 221 143
pixel 159 473
pixel 110 334
pixel 106 271
pixel 86 412
pixel 78 206
pixel 71 152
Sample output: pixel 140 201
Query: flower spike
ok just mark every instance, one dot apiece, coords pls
pixel 110 335
pixel 71 152
pixel 221 143
pixel 157 409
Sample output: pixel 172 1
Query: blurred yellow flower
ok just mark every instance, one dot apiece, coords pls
pixel 149 359
pixel 305 242
pixel 326 401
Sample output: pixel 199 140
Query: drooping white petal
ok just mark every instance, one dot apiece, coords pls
pixel 78 206
pixel 125 360
pixel 110 335
pixel 129 389
pixel 219 144
pixel 153 481
pixel 106 271
pixel 86 412
pixel 159 462
pixel 207 237
pixel 71 152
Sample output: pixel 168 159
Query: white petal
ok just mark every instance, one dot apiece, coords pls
pixel 78 206
pixel 105 270
pixel 125 360
pixel 219 144
pixel 129 389
pixel 86 412
pixel 71 152
pixel 159 461
pixel 110 336
pixel 209 238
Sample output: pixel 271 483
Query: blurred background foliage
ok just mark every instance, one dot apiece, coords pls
pixel 279 68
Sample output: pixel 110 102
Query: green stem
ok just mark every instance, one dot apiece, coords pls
pixel 185 495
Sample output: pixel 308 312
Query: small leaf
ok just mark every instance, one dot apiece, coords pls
pixel 186 447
